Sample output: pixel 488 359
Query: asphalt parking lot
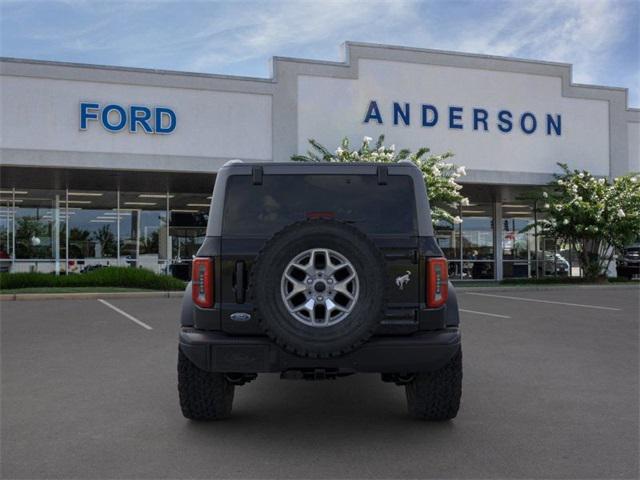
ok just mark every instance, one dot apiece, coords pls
pixel 550 390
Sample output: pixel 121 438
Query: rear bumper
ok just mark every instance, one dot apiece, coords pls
pixel 217 352
pixel 628 269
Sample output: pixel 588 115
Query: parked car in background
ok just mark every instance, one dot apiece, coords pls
pixel 553 264
pixel 628 263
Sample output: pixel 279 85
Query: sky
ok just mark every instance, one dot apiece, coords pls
pixel 601 38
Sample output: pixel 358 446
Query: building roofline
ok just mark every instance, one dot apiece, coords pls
pixel 346 62
pixel 117 68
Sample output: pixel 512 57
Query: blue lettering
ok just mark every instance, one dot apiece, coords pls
pixel 162 112
pixel 139 115
pixel 399 112
pixel 480 116
pixel 556 125
pixel 455 113
pixel 523 123
pixel 425 115
pixel 86 114
pixel 105 118
pixel 373 112
pixel 505 124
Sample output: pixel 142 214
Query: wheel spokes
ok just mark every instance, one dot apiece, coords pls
pixel 319 287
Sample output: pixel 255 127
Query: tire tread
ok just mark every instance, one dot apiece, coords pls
pixel 203 395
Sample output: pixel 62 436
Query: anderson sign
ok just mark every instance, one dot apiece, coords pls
pixel 461 118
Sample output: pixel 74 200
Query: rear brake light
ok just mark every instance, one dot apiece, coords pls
pixel 323 215
pixel 437 282
pixel 202 282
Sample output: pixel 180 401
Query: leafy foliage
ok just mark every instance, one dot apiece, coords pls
pixel 439 174
pixel 596 216
pixel 101 277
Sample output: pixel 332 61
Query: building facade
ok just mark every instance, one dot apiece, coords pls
pixel 115 166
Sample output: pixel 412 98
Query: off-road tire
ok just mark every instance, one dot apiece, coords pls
pixel 281 326
pixel 203 395
pixel 436 395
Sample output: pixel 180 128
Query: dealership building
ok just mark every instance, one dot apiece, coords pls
pixel 106 165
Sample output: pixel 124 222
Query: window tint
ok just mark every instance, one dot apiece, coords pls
pixel 261 210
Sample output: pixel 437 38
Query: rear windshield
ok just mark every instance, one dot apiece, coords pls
pixel 259 210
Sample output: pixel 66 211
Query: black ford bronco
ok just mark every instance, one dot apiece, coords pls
pixel 319 271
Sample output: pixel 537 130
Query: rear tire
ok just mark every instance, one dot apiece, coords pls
pixel 203 395
pixel 436 395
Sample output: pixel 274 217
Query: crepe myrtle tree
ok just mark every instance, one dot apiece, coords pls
pixel 440 176
pixel 595 216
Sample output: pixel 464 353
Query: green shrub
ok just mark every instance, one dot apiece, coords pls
pixel 101 277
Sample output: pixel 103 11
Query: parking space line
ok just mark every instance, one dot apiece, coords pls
pixel 484 313
pixel 543 301
pixel 125 314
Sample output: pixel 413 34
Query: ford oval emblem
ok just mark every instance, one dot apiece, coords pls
pixel 240 317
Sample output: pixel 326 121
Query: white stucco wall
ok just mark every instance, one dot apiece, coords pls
pixel 633 137
pixel 43 114
pixel 329 108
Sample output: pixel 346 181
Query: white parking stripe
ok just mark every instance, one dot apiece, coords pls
pixel 484 313
pixel 543 301
pixel 125 314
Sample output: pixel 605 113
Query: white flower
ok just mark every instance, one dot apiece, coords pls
pixel 560 182
pixel 461 170
pixel 339 151
pixel 565 221
pixel 392 148
pixel 367 139
pixel 381 149
pixel 545 194
pixel 634 179
pixel 601 181
pixel 579 198
pixel 546 205
pixel 457 220
pixel 581 175
pixel 621 213
pixel 558 207
pixel 464 202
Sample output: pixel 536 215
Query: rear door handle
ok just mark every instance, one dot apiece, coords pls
pixel 240 283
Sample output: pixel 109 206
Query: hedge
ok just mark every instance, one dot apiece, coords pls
pixel 101 277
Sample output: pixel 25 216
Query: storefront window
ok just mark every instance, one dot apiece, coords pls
pixel 6 230
pixel 477 242
pixel 92 230
pixel 143 229
pixel 518 240
pixel 448 238
pixel 39 228
pixel 188 228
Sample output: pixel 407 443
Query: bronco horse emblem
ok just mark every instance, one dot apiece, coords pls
pixel 402 280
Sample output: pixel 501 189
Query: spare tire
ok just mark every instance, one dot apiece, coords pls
pixel 318 288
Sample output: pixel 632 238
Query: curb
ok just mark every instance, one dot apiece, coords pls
pixel 504 288
pixel 87 296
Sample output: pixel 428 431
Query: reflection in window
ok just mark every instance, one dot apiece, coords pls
pixel 189 216
pixel 143 229
pixel 518 240
pixel 92 229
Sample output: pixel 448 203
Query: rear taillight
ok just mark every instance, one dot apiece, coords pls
pixel 437 282
pixel 202 282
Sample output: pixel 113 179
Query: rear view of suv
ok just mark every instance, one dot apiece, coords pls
pixel 318 271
